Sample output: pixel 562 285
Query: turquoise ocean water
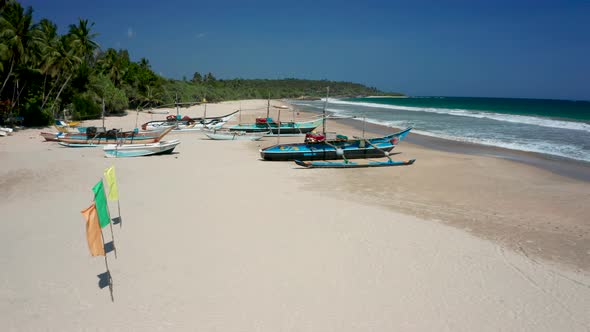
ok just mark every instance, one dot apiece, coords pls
pixel 552 127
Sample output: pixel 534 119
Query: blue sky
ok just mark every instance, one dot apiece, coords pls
pixel 534 49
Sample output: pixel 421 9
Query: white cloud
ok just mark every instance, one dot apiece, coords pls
pixel 130 32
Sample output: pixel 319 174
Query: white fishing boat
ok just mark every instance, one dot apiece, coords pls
pixel 5 131
pixel 227 135
pixel 187 124
pixel 138 150
pixel 157 111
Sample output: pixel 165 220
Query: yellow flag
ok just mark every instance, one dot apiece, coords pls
pixel 109 175
pixel 93 232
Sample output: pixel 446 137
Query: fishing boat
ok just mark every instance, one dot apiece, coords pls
pixel 66 124
pixel 138 150
pixel 157 111
pixel 183 123
pixel 94 136
pixel 317 147
pixel 227 135
pixel 79 145
pixel 352 164
pixel 278 128
pixel 51 137
pixel 5 131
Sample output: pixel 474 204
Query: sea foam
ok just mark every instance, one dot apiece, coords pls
pixel 529 120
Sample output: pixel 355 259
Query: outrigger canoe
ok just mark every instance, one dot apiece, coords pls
pixel 352 164
pixel 93 137
pixel 139 150
pixel 234 135
pixel 322 149
pixel 283 128
pixel 187 123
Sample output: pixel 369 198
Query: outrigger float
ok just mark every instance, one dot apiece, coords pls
pixel 352 164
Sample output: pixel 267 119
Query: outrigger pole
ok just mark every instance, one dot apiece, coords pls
pixel 324 117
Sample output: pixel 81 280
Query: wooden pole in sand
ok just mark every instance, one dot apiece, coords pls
pixel 110 224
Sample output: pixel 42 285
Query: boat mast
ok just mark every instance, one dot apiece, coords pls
pixel 279 126
pixel 176 102
pixel 364 123
pixel 103 112
pixel 268 106
pixel 324 115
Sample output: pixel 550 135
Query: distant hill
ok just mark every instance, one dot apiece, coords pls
pixel 214 90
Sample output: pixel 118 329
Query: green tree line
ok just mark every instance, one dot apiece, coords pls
pixel 43 73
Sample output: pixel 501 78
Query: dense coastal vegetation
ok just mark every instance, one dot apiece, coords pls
pixel 43 73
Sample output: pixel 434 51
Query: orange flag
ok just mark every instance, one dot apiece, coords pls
pixel 93 232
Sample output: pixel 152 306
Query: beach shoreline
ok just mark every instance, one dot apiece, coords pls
pixel 539 235
pixel 216 239
pixel 577 169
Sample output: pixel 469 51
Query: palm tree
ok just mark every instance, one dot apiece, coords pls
pixel 82 39
pixel 46 42
pixel 67 62
pixel 112 66
pixel 15 33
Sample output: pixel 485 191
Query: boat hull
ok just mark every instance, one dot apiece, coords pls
pixel 324 152
pixel 128 138
pixel 192 123
pixel 140 150
pixel 348 164
pixel 234 136
pixel 285 128
pixel 51 137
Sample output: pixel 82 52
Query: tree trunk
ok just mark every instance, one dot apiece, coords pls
pixel 46 98
pixel 18 94
pixel 7 76
pixel 60 91
pixel 44 85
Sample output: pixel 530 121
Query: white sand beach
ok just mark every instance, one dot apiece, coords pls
pixel 214 239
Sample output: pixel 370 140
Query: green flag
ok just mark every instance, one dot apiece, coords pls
pixel 101 204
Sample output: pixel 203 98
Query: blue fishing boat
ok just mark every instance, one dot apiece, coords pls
pixel 275 128
pixel 317 147
pixel 352 164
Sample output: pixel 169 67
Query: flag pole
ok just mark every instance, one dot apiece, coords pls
pixel 119 210
pixel 110 224
pixel 106 263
